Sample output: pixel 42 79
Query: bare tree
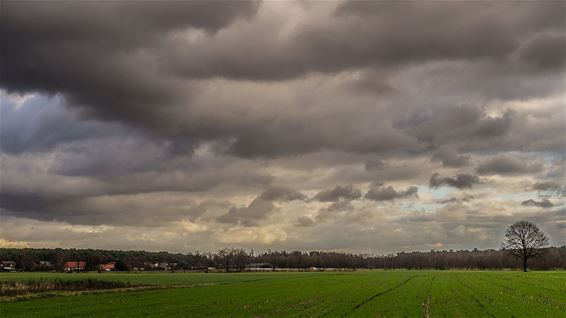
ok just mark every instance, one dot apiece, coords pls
pixel 240 258
pixel 524 240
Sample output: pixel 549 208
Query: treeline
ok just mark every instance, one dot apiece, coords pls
pixel 31 259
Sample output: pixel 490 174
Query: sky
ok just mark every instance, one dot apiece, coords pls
pixel 368 127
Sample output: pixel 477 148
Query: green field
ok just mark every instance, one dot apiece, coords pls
pixel 308 294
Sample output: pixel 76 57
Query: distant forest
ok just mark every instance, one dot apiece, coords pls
pixel 32 259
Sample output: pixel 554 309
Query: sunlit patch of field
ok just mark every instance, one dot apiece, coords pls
pixel 330 294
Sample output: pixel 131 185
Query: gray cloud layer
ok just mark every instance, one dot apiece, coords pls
pixel 506 164
pixel 339 193
pixel 381 193
pixel 544 203
pixel 248 122
pixel 460 181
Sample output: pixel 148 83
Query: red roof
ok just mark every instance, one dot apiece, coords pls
pixel 79 264
pixel 109 266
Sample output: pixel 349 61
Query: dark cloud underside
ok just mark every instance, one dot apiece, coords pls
pixel 411 124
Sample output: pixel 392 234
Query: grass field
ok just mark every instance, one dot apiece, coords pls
pixel 308 294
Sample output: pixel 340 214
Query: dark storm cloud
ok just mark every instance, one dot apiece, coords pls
pixel 465 198
pixel 382 193
pixel 546 51
pixel 534 15
pixel 434 31
pixel 491 127
pixel 374 165
pixel 115 210
pixel 102 55
pixel 117 27
pixel 446 124
pixel 460 181
pixel 333 211
pixel 143 112
pixel 29 204
pixel 338 193
pixel 450 157
pixel 507 164
pixel 249 215
pixel 281 193
pixel 121 60
pixel 260 207
pixel 40 188
pixel 550 187
pixel 117 22
pixel 544 203
pixel 297 136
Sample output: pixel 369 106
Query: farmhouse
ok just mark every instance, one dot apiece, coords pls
pixel 74 266
pixel 107 267
pixel 8 265
pixel 147 266
pixel 45 264
pixel 259 267
pixel 157 266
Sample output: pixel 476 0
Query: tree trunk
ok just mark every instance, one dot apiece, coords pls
pixel 524 264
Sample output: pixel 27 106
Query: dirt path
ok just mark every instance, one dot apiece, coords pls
pixel 384 292
pixel 426 303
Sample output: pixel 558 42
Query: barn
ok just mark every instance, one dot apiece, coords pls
pixel 107 267
pixel 74 266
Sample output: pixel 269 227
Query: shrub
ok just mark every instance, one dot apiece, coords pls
pixel 13 288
